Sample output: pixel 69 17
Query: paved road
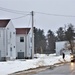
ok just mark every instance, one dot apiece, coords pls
pixel 66 69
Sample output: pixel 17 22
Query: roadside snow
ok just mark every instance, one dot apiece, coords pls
pixel 9 67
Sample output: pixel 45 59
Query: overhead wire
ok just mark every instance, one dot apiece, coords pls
pixel 20 17
pixel 55 14
pixel 13 11
pixel 24 12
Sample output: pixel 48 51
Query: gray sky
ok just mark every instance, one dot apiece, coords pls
pixel 46 22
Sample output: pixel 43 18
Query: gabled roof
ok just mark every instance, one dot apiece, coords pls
pixel 22 30
pixel 4 22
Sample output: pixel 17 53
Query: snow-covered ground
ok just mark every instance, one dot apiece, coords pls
pixel 9 67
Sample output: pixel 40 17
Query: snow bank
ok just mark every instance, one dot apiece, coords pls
pixel 18 65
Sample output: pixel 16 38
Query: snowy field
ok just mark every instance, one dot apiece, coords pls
pixel 9 67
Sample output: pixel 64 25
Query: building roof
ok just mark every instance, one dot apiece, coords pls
pixel 22 30
pixel 4 22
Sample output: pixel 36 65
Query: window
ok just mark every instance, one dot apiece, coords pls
pixel 31 40
pixel 10 51
pixel 8 28
pixel 14 46
pixel 6 53
pixel 10 34
pixel 13 32
pixel 21 39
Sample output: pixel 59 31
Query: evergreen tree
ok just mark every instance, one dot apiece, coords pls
pixel 60 34
pixel 39 40
pixel 70 35
pixel 51 41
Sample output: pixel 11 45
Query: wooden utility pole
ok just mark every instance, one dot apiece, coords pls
pixel 32 13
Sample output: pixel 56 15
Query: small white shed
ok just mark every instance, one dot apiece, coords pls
pixel 60 46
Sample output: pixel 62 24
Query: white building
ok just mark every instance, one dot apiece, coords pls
pixel 23 43
pixel 7 40
pixel 14 42
pixel 62 46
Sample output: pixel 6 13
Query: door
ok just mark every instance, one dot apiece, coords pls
pixel 20 55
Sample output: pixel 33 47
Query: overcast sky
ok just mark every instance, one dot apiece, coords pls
pixel 46 22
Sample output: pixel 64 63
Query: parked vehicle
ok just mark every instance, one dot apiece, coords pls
pixel 72 57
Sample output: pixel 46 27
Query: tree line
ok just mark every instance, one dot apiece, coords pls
pixel 46 44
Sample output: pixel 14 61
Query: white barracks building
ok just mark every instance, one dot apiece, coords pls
pixel 14 42
pixel 23 43
pixel 7 40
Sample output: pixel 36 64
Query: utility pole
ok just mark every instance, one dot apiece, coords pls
pixel 32 13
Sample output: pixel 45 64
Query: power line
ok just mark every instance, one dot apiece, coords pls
pixel 55 14
pixel 23 12
pixel 20 17
pixel 13 11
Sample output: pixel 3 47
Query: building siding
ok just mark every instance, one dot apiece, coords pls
pixel 10 44
pixel 29 47
pixel 11 41
pixel 24 46
pixel 20 46
pixel 2 42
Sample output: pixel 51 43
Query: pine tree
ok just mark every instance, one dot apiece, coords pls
pixel 51 41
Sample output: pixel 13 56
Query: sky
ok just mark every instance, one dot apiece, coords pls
pixel 42 21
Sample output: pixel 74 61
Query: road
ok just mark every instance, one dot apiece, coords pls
pixel 66 69
pixel 63 69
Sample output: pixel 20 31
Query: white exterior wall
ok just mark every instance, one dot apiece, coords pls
pixel 2 42
pixel 59 46
pixel 10 41
pixel 25 46
pixel 29 44
pixel 20 46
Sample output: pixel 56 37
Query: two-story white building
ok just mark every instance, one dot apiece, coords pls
pixel 23 43
pixel 14 42
pixel 7 40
